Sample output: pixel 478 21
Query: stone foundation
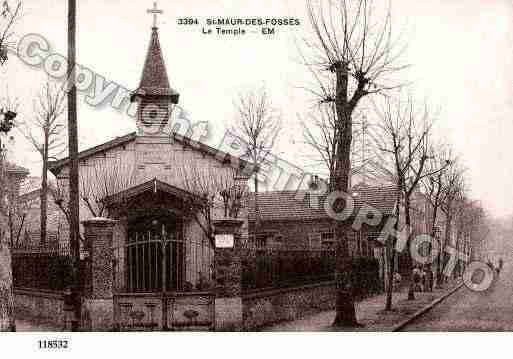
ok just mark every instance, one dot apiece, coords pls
pixel 97 314
pixel 263 308
pixel 228 313
pixel 39 305
pixel 184 311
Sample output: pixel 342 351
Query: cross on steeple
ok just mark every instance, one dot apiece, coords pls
pixel 155 11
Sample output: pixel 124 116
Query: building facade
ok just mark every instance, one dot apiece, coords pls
pixel 162 188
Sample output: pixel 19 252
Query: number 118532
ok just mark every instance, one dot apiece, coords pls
pixel 52 344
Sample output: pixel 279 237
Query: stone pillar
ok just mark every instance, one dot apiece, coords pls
pixel 228 275
pixel 98 304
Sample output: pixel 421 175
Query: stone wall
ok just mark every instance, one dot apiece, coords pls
pixel 39 305
pixel 263 308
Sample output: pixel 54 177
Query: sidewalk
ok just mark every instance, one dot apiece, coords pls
pixel 370 312
pixel 30 326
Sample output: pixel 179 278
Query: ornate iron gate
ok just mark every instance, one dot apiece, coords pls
pixel 162 279
pixel 152 259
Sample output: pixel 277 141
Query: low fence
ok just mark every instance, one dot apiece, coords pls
pixel 47 268
pixel 287 285
pixel 264 269
pixel 270 268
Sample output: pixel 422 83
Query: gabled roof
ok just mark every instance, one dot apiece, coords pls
pixel 56 166
pixel 154 186
pixel 295 205
pixel 30 196
pixel 12 168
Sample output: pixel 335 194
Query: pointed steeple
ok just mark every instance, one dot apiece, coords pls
pixel 154 80
pixel 154 96
pixel 154 72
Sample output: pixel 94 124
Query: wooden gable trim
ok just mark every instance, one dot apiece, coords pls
pixel 154 186
pixel 225 158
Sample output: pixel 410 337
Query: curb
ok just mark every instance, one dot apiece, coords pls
pixel 422 311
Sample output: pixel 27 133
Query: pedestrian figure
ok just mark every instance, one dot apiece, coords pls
pixel 68 309
pixel 397 281
pixel 429 279
pixel 423 283
pixel 416 279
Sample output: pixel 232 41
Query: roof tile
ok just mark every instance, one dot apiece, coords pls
pixel 296 205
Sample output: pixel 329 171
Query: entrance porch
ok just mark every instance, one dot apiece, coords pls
pixel 162 261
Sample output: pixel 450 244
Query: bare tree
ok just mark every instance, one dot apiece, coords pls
pixel 463 223
pixel 453 193
pixel 320 132
pixel 46 132
pixel 403 141
pixel 103 178
pixel 13 209
pixel 60 193
pixel 8 17
pixel 257 125
pixel 434 188
pixel 21 215
pixel 477 226
pixel 216 191
pixel 99 180
pixel 352 55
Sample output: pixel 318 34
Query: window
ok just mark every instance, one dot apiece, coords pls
pixel 314 240
pixel 365 252
pixel 261 240
pixel 264 239
pixel 328 239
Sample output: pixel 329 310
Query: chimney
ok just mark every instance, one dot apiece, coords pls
pixel 314 183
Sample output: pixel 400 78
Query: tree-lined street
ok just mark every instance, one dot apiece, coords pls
pixel 467 310
pixel 367 210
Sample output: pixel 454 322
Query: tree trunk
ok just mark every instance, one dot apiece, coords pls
pixel 10 223
pixel 257 214
pixel 390 255
pixel 407 217
pixel 433 235
pixel 44 193
pixel 7 322
pixel 446 242
pixel 390 276
pixel 345 308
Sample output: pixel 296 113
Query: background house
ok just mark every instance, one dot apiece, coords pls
pixel 57 225
pixel 287 220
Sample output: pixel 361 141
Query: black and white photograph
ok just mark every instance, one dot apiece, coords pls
pixel 319 166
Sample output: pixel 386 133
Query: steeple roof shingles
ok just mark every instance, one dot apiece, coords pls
pixel 154 80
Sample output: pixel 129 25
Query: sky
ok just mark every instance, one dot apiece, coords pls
pixel 461 52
